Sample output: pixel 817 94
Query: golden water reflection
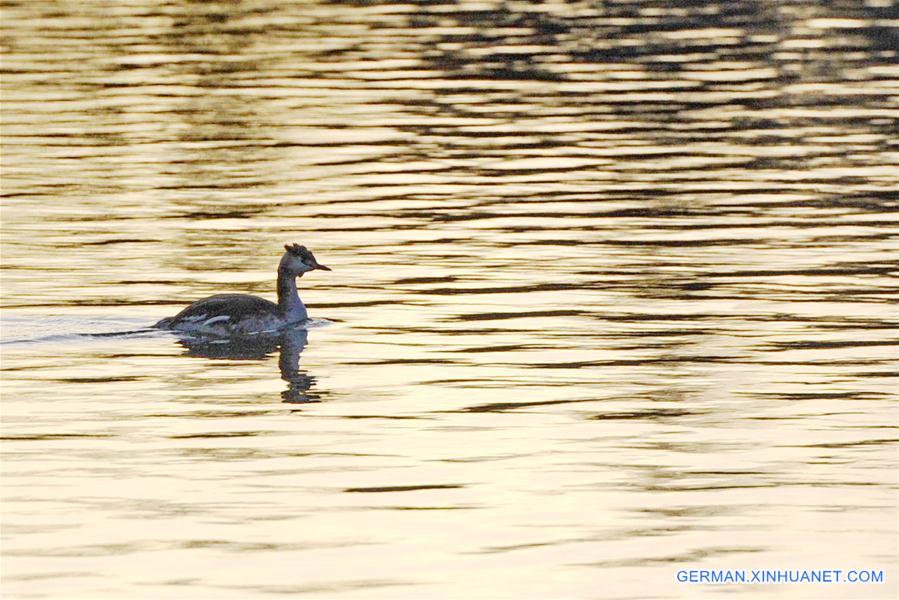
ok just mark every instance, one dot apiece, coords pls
pixel 612 296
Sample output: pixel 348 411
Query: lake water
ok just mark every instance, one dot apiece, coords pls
pixel 613 296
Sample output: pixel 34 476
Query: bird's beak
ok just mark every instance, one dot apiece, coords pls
pixel 316 265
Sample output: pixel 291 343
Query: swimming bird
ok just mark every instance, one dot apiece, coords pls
pixel 237 315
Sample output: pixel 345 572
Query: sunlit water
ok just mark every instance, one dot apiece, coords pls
pixel 613 296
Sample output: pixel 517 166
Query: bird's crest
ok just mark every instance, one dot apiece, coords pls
pixel 296 249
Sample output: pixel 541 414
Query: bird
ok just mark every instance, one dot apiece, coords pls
pixel 243 315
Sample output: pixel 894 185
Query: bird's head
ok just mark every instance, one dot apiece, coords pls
pixel 298 260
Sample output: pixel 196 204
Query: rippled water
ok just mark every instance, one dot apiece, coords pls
pixel 613 295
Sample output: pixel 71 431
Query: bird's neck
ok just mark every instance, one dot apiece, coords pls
pixel 288 299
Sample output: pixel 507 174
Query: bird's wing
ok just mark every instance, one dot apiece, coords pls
pixel 224 307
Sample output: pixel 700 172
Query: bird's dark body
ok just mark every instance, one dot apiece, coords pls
pixel 228 315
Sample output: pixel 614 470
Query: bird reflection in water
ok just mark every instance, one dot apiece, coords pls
pixel 290 343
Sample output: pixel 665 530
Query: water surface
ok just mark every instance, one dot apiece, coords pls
pixel 613 295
